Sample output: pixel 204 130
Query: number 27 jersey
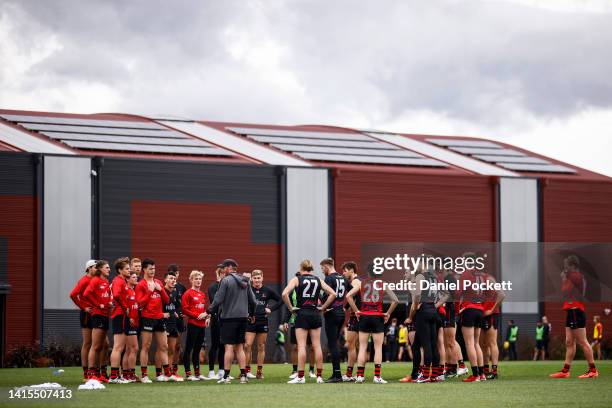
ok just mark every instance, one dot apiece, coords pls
pixel 371 298
pixel 308 291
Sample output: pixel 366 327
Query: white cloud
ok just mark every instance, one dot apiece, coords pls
pixel 534 73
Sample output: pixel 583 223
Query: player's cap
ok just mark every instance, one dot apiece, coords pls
pixel 229 262
pixel 90 263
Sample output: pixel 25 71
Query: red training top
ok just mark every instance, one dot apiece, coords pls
pixel 99 295
pixel 192 305
pixel 119 290
pixel 471 298
pixel 77 293
pixel 371 299
pixel 131 304
pixel 151 301
pixel 573 288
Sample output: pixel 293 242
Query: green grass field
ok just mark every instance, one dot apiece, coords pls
pixel 521 384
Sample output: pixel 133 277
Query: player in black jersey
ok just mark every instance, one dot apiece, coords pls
pixel 216 351
pixel 257 331
pixel 180 323
pixel 349 271
pixel 425 315
pixel 334 316
pixel 171 315
pixel 308 320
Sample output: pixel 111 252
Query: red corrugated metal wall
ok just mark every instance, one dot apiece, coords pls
pixel 577 211
pixel 199 236
pixel 395 207
pixel 18 226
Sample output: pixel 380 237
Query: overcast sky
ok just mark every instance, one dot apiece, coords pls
pixel 535 73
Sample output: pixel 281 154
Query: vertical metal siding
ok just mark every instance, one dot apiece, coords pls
pixel 397 207
pixel 519 226
pixel 194 214
pixel 18 226
pixel 307 217
pixel 576 211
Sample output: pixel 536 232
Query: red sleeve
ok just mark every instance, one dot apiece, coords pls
pixel 118 293
pixel 75 296
pixel 186 306
pixel 143 294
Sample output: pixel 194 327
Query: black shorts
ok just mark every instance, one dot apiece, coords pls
pixel 575 319
pixel 85 319
pixel 471 317
pixel 260 326
pixel 308 320
pixel 180 325
pixel 172 330
pixel 119 324
pixel 152 325
pixel 293 336
pixel 128 329
pixel 540 344
pixel 99 322
pixel 233 330
pixel 353 324
pixel 371 324
pixel 439 321
pixel 450 317
pixel 490 322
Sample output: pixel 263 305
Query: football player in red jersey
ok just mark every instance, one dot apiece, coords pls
pixel 120 312
pixel 131 329
pixel 85 312
pixel 372 321
pixel 98 295
pixel 151 296
pixel 573 286
pixel 489 325
pixel 193 305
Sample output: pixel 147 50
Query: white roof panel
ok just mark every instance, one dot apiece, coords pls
pixel 540 168
pixel 237 144
pixel 29 143
pixel 444 155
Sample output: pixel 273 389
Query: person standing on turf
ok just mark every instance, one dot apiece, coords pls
pixel 85 313
pixel 349 271
pixel 171 317
pixel 597 336
pixel 573 287
pixel 131 329
pixel 511 338
pixel 193 304
pixel 151 297
pixel 334 316
pixel 180 323
pixel 216 351
pixel 280 345
pixel 120 312
pixel 308 316
pixel 258 330
pixel 98 294
pixel 372 321
pixel 490 323
pixel 236 302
